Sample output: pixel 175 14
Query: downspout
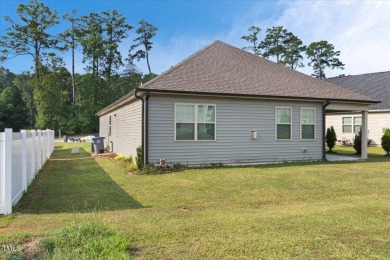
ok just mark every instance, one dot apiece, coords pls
pixel 324 129
pixel 142 125
pixel 146 151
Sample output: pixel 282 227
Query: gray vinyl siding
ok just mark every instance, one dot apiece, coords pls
pixel 126 127
pixel 235 118
pixel 103 125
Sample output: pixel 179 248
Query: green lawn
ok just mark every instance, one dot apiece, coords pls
pixel 295 210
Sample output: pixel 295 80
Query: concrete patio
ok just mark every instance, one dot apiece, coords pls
pixel 337 158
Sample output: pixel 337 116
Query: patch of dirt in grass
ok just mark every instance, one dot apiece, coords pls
pixel 186 183
pixel 135 251
pixel 184 209
pixel 71 159
pixel 32 247
pixel 104 155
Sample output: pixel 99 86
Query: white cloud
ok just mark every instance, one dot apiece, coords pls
pixel 360 30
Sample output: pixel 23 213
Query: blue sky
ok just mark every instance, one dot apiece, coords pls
pixel 359 29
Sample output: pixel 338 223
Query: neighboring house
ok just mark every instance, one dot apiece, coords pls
pixel 223 104
pixel 374 85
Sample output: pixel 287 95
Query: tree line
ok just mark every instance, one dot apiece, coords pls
pixel 50 96
pixel 288 49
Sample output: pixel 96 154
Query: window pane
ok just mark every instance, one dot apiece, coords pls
pixel 308 116
pixel 347 120
pixel 307 131
pixel 206 114
pixel 283 115
pixel 356 128
pixel 185 131
pixel 206 131
pixel 185 113
pixel 357 121
pixel 347 129
pixel 283 132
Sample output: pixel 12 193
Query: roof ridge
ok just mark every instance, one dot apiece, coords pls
pixel 272 62
pixel 173 68
pixel 358 74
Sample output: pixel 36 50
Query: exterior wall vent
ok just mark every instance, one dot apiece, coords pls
pixel 253 135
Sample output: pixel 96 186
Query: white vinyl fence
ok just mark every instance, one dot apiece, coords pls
pixel 22 155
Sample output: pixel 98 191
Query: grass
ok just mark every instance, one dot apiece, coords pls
pixel 90 240
pixel 294 210
pixel 376 154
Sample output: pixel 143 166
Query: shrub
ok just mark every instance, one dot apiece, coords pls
pixel 139 159
pixel 120 158
pixel 331 138
pixel 357 142
pixel 129 159
pixel 385 141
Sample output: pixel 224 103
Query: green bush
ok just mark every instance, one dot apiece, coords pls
pixel 126 162
pixel 357 142
pixel 385 141
pixel 139 158
pixel 331 138
pixel 86 241
pixel 120 158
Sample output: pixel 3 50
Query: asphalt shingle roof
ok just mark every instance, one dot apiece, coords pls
pixel 374 85
pixel 223 69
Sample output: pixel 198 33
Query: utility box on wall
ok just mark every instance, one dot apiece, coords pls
pixel 253 135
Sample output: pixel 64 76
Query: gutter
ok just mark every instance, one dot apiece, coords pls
pixel 145 127
pixel 164 91
pixel 128 96
pixel 142 124
pixel 146 150
pixel 324 129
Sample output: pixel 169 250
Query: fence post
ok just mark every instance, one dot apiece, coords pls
pixel 47 144
pixel 39 154
pixel 53 134
pixel 24 159
pixel 43 147
pixel 6 178
pixel 33 153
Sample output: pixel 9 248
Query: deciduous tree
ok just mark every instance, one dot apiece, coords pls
pixel 13 112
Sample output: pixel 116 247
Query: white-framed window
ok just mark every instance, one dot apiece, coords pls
pixel 283 123
pixel 195 122
pixel 308 123
pixel 351 124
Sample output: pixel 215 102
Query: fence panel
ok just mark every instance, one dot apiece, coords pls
pixel 22 155
pixel 2 170
pixel 17 173
pixel 30 158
